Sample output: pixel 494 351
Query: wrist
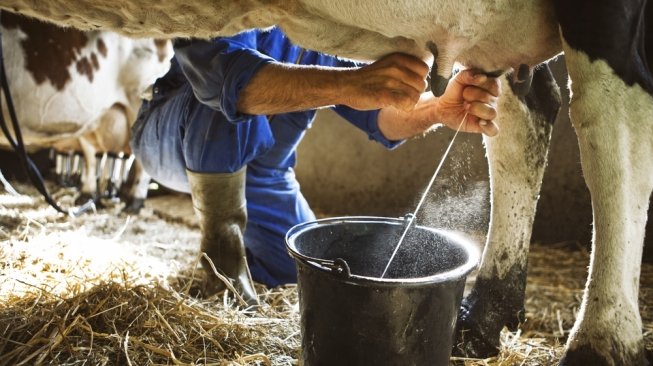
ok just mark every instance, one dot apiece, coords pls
pixel 426 114
pixel 435 109
pixel 396 124
pixel 342 87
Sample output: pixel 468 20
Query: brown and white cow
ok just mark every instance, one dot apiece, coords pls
pixel 79 91
pixel 609 51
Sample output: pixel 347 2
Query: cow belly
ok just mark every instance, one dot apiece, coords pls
pixel 490 35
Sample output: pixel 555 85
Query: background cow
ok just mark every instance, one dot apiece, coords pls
pixel 80 91
pixel 608 47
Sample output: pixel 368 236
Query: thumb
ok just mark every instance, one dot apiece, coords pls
pixel 469 77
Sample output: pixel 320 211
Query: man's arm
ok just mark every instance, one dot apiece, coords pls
pixel 394 84
pixel 220 68
pixel 396 80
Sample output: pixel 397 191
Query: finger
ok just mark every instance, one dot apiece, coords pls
pixel 482 110
pixel 406 75
pixel 460 82
pixel 489 128
pixel 414 91
pixel 469 77
pixel 402 97
pixel 469 125
pixel 476 94
pixel 493 86
pixel 399 101
pixel 399 85
pixel 410 62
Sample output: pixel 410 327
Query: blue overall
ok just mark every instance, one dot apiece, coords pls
pixel 192 123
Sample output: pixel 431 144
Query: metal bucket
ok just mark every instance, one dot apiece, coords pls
pixel 350 316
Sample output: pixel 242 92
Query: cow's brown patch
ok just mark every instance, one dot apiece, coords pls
pixel 161 49
pixel 94 61
pixel 49 50
pixel 84 68
pixel 102 47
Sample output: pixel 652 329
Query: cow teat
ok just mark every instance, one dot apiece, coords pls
pixel 521 80
pixel 438 83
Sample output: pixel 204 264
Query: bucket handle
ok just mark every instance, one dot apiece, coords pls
pixel 338 266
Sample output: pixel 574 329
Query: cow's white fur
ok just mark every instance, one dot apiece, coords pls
pixel 516 160
pixel 93 116
pixel 491 35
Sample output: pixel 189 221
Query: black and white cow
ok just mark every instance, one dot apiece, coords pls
pixel 608 48
pixel 80 91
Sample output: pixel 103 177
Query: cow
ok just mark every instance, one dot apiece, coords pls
pixel 80 91
pixel 608 48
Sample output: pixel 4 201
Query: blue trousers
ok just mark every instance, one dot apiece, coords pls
pixel 177 132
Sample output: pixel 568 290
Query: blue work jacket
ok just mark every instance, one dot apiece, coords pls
pixel 192 123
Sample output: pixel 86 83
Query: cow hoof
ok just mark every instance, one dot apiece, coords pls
pixel 470 342
pixel 134 206
pixel 84 198
pixel 586 355
pixel 492 304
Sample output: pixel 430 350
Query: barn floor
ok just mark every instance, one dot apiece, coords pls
pixel 110 289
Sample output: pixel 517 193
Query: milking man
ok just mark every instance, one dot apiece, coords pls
pixel 224 123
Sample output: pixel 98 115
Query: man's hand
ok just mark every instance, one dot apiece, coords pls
pixel 395 80
pixel 467 93
pixel 474 94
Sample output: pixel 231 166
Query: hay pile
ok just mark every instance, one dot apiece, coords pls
pixel 109 290
pixel 121 324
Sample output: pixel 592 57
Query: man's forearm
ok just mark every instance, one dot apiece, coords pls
pixel 395 79
pixel 279 88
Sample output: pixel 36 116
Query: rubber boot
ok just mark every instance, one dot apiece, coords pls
pixel 219 202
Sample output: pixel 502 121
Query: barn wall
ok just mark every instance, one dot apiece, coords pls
pixel 343 173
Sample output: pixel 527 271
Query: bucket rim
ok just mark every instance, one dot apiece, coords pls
pixel 460 239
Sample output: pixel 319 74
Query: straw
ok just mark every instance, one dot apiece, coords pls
pixel 61 304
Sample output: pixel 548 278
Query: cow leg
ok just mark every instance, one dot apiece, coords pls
pixel 135 189
pixel 89 176
pixel 517 158
pixel 614 124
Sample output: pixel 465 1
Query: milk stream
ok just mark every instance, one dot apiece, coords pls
pixel 411 217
